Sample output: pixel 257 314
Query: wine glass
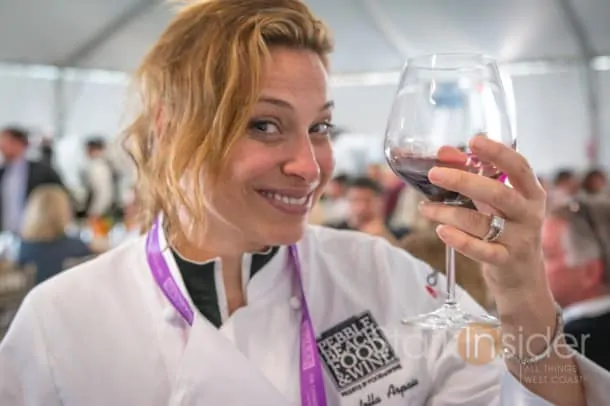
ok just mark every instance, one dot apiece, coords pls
pixel 444 100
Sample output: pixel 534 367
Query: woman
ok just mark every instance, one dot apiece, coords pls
pixel 208 308
pixel 44 242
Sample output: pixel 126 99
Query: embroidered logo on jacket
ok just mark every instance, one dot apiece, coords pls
pixel 356 353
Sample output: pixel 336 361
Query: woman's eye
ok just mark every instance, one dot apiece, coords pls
pixel 266 127
pixel 321 128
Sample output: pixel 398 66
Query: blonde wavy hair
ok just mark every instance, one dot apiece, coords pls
pixel 197 87
pixel 47 213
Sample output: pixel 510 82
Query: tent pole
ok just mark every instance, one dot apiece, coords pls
pixel 99 38
pixel 385 26
pixel 590 78
pixel 59 105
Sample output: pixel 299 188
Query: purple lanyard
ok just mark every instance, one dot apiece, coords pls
pixel 312 382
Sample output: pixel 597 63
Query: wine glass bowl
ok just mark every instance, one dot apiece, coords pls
pixel 442 102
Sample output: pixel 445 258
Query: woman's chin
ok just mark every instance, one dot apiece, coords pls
pixel 284 235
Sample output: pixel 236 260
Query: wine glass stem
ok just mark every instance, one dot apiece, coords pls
pixel 450 272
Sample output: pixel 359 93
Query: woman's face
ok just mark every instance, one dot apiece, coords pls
pixel 280 167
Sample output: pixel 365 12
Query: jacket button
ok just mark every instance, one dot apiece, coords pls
pixel 295 303
pixel 169 314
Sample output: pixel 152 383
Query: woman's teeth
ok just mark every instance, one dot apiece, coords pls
pixel 297 201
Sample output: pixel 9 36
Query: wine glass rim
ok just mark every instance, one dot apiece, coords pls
pixel 425 61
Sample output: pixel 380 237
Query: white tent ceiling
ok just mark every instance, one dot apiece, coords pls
pixel 371 35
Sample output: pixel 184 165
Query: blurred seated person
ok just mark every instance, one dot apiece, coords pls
pixel 565 187
pixel 426 246
pixel 595 183
pixel 406 213
pixel 129 227
pixel 332 206
pixel 393 188
pixel 376 172
pixel 365 211
pixel 44 242
pixel 576 243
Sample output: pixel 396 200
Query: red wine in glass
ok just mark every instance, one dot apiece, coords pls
pixel 413 168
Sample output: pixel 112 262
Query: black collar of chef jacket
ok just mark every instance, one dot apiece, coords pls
pixel 201 285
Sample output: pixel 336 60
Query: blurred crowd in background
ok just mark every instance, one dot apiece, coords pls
pixel 47 227
pixel 44 222
pixel 381 203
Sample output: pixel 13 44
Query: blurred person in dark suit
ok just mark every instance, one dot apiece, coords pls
pixel 46 151
pixel 576 243
pixel 19 177
pixel 595 183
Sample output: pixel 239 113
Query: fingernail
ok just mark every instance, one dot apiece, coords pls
pixel 435 174
pixel 480 141
pixel 423 206
pixel 441 230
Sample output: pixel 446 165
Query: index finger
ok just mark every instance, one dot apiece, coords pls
pixel 452 156
pixel 511 163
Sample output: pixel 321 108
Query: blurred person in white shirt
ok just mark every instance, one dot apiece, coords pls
pixel 101 185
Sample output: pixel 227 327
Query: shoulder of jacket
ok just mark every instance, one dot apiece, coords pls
pixel 352 245
pixel 90 278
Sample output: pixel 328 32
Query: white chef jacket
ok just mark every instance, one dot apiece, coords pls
pixel 104 334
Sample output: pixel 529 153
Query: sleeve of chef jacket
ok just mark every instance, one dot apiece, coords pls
pixel 457 382
pixel 25 369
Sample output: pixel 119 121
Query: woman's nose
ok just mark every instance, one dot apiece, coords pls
pixel 303 163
